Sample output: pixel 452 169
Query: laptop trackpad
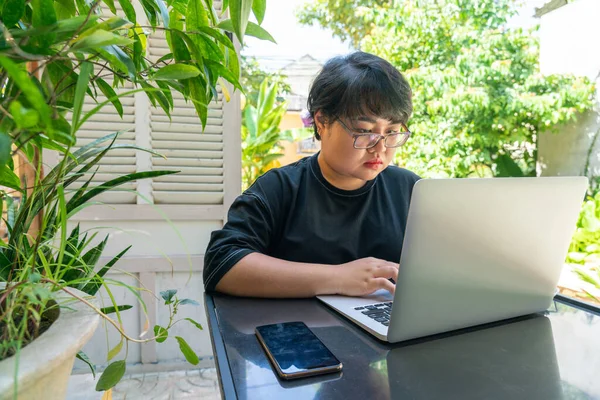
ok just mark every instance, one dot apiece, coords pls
pixel 380 296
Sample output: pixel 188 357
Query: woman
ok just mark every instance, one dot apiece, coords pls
pixel 332 223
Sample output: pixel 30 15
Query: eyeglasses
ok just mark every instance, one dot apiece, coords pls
pixel 366 140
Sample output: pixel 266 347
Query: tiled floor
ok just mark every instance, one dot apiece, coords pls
pixel 173 385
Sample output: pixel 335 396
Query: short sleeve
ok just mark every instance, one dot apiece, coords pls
pixel 249 229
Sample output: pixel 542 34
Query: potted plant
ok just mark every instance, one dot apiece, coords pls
pixel 52 54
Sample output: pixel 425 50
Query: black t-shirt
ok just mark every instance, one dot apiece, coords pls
pixel 293 213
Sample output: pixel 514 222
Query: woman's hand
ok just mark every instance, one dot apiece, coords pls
pixel 365 276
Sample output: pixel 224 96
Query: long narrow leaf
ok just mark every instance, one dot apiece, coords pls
pixel 82 85
pixel 63 224
pixel 110 94
pixel 94 283
pixel 83 357
pixel 116 182
pixel 258 8
pixel 95 110
pixel 240 12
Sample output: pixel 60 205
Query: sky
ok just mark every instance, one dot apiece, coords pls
pixel 295 40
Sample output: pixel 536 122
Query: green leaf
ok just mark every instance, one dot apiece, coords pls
pixel 507 167
pixel 8 178
pixel 44 15
pixel 128 9
pixel 176 71
pixel 215 34
pixel 5 263
pixel 258 32
pixel 109 25
pixel 83 357
pixel 111 5
pixel 161 333
pixel 29 89
pixel 5 149
pixel 167 295
pixel 187 351
pixel 117 182
pixel 114 351
pixel 189 301
pixel 95 282
pixel 110 310
pixel 111 375
pixel 110 94
pixel 63 131
pixel 35 277
pixel 80 89
pixel 212 13
pixel 197 325
pixel 100 39
pixel 60 79
pixel 258 8
pixel 196 16
pixel 198 95
pixel 251 30
pixel 12 12
pixel 224 72
pixel 233 63
pixel 164 12
pixel 240 12
pixel 65 9
pixel 116 55
pixel 24 117
pixel 166 91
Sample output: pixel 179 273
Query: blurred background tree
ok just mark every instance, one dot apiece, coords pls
pixel 261 135
pixel 480 101
pixel 253 76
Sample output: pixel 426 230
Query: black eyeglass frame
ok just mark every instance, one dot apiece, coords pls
pixel 406 135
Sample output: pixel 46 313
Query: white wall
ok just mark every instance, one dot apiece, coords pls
pixel 164 255
pixel 570 44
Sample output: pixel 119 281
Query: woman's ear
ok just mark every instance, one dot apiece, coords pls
pixel 319 121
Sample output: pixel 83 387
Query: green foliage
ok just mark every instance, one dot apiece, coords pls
pixel 261 134
pixel 52 55
pixel 253 76
pixel 111 375
pixel 585 245
pixel 79 47
pixel 480 101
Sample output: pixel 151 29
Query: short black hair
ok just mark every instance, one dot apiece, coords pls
pixel 358 84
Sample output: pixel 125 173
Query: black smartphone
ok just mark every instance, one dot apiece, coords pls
pixel 295 351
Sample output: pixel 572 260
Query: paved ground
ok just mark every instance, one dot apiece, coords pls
pixel 188 384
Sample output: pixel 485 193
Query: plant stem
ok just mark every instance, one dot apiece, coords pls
pixel 97 310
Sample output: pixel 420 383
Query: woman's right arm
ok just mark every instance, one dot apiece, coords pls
pixel 259 275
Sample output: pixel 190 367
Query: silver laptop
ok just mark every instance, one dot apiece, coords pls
pixel 475 251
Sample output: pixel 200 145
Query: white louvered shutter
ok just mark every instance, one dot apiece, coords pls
pixel 197 155
pixel 116 162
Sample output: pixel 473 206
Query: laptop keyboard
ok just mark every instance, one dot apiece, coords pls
pixel 380 312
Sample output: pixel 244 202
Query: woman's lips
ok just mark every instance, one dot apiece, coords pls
pixel 374 164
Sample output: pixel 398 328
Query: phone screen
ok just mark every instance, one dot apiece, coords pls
pixel 295 348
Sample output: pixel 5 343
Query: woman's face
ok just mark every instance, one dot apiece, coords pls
pixel 344 166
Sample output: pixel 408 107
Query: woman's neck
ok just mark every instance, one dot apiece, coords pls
pixel 336 179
